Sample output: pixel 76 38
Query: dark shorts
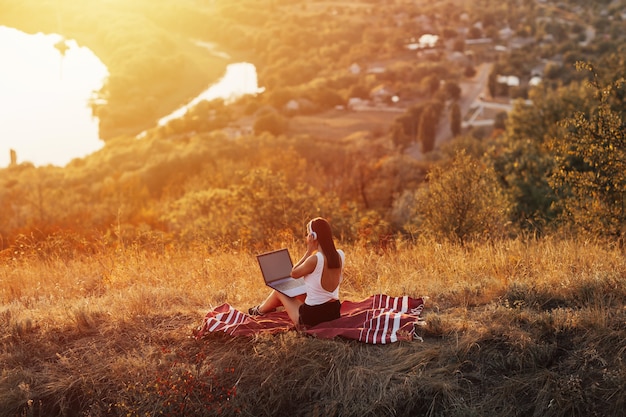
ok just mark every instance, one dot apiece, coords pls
pixel 312 315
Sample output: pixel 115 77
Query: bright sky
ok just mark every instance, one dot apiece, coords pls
pixel 44 114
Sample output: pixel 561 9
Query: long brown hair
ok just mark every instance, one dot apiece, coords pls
pixel 322 229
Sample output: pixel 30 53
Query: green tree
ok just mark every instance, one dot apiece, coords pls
pixel 245 214
pixel 492 83
pixel 410 120
pixel 327 98
pixel 463 202
pixel 469 71
pixel 591 166
pixel 452 90
pixel 431 84
pixel 398 136
pixel 522 158
pixel 455 119
pixel 271 122
pixel 428 128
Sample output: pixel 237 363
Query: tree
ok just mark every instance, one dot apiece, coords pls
pixel 455 119
pixel 458 45
pixel 431 84
pixel 591 166
pixel 469 71
pixel 452 90
pixel 499 121
pixel 522 158
pixel 358 91
pixel 280 96
pixel 326 98
pixel 261 207
pixel 398 136
pixel 428 128
pixel 409 121
pixel 492 83
pixel 463 202
pixel 271 122
pixel 474 33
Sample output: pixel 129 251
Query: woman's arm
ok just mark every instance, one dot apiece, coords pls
pixel 305 267
pixel 307 263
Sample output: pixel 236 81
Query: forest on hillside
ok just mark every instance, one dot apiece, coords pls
pixel 555 164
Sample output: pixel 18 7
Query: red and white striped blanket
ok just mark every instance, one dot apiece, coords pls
pixel 379 319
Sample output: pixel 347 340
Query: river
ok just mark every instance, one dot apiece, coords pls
pixel 44 97
pixel 240 79
pixel 44 112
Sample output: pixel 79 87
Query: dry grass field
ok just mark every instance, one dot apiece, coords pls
pixel 516 328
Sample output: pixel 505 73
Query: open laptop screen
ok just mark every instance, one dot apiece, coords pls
pixel 276 269
pixel 275 265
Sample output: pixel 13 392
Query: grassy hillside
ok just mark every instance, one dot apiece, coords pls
pixel 514 329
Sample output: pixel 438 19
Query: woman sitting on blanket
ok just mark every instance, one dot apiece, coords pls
pixel 322 269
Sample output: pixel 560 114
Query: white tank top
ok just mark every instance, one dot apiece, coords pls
pixel 315 293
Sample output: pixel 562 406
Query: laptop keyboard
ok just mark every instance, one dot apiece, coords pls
pixel 287 285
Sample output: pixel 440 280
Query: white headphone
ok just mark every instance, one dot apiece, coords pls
pixel 311 232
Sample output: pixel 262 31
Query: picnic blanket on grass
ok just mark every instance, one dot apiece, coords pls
pixel 378 319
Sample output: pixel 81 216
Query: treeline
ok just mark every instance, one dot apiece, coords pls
pixel 560 166
pixel 246 192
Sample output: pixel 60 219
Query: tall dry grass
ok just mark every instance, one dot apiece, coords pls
pixel 514 328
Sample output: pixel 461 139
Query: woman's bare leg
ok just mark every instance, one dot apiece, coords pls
pixel 292 307
pixel 276 299
pixel 271 302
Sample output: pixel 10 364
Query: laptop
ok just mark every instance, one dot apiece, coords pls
pixel 276 269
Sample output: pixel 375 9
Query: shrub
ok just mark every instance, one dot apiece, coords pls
pixel 463 201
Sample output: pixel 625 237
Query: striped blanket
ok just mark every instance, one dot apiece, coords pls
pixel 379 319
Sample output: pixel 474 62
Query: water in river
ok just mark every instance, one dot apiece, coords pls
pixel 44 97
